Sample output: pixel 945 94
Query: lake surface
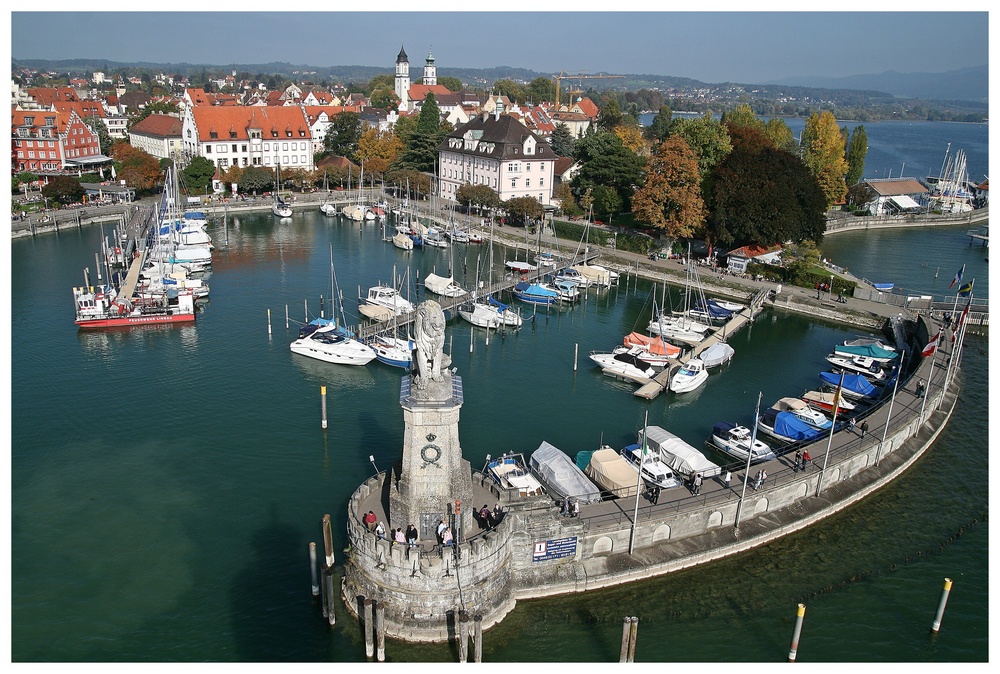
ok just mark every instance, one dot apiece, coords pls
pixel 166 481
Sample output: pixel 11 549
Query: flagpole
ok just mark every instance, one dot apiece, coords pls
pixel 892 401
pixel 638 482
pixel 833 427
pixel 930 374
pixel 746 475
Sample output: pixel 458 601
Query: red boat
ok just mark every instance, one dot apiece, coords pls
pixel 97 308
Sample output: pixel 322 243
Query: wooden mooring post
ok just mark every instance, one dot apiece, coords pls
pixel 630 630
pixel 369 628
pixel 312 568
pixel 478 639
pixel 380 631
pixel 463 636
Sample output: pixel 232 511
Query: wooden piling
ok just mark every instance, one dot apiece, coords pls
pixel 305 309
pixel 312 568
pixel 325 598
pixel 380 631
pixel 794 648
pixel 328 540
pixel 626 637
pixel 576 353
pixel 331 596
pixel 478 639
pixel 633 636
pixel 286 316
pixel 472 338
pixel 369 631
pixel 322 397
pixel 936 625
pixel 463 636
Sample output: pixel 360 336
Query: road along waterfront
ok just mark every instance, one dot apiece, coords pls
pixel 180 473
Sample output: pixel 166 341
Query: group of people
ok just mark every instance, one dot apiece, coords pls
pixel 445 537
pixel 694 483
pixel 570 507
pixel 489 518
pixel 759 479
pixel 802 459
pixel 394 536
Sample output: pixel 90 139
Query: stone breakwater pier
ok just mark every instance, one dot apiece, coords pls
pixel 428 591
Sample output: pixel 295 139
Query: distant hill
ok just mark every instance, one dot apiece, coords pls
pixel 966 84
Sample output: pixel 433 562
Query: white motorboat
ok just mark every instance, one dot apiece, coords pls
pixel 573 275
pixel 329 344
pixel 654 350
pixel 654 472
pixel 859 365
pixel 736 442
pixel 690 376
pixel 490 313
pixel 328 209
pixel 354 212
pixel 384 302
pixel 434 238
pixel 566 290
pixel 869 341
pixel 446 287
pixel 546 259
pixel 804 413
pixel 786 427
pixel 394 351
pixel 511 472
pixel 823 401
pixel 719 353
pixel 522 268
pixel 626 363
pixel 729 306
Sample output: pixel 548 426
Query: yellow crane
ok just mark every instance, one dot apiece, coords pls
pixel 563 76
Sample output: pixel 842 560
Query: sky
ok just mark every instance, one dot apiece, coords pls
pixel 715 46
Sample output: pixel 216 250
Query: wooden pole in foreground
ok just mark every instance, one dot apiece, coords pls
pixel 269 322
pixel 626 636
pixel 328 540
pixel 633 637
pixel 576 352
pixel 794 648
pixel 463 636
pixel 331 614
pixel 322 396
pixel 936 625
pixel 478 639
pixel 312 568
pixel 380 631
pixel 369 631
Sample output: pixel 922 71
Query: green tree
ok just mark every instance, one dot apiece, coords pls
pixel 670 199
pixel 522 209
pixel 98 126
pixel 763 196
pixel 742 115
pixel 563 193
pixel 429 120
pixel 778 132
pixel 378 150
pixel 824 153
pixel 709 139
pixel 256 179
pixel 562 140
pixel 63 190
pixel 384 98
pixel 198 174
pixel 607 203
pixel 606 161
pixel 405 127
pixel 24 178
pixel 381 82
pixel 660 128
pixel 541 89
pixel 342 135
pixel 482 196
pixel 610 115
pixel 857 151
pixel 452 84
pixel 511 90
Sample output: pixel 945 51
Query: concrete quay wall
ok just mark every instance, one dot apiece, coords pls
pixel 673 542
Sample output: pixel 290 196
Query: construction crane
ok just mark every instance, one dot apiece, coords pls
pixel 563 76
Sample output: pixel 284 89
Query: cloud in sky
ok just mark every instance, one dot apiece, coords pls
pixel 708 46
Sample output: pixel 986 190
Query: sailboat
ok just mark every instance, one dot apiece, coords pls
pixel 279 207
pixel 326 208
pixel 486 311
pixel 356 211
pixel 392 349
pixel 332 342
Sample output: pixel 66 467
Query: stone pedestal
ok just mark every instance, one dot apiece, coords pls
pixel 434 481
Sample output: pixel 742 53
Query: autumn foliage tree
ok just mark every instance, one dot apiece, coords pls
pixel 670 199
pixel 378 150
pixel 823 152
pixel 140 170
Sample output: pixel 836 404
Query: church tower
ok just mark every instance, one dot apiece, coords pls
pixel 402 76
pixel 430 71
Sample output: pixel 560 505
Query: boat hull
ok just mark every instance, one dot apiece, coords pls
pixel 123 321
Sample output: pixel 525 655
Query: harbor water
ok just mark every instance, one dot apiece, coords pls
pixel 166 481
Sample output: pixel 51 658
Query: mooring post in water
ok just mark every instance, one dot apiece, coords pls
pixel 380 631
pixel 794 648
pixel 328 540
pixel 463 636
pixel 478 639
pixel 576 353
pixel 325 598
pixel 369 631
pixel 268 322
pixel 312 568
pixel 472 338
pixel 322 397
pixel 286 316
pixel 331 596
pixel 936 625
pixel 626 637
pixel 633 637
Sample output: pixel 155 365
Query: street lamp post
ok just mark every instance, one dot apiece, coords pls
pixel 831 286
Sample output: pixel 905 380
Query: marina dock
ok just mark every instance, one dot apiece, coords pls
pixel 661 381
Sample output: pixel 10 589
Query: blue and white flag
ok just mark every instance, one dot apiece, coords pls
pixel 958 277
pixel 966 289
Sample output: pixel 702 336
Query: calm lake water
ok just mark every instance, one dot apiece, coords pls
pixel 166 481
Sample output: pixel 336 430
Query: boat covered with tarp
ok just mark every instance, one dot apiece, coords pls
pixel 612 473
pixel 677 454
pixel 560 476
pixel 855 385
pixel 717 354
pixel 872 351
pixel 786 426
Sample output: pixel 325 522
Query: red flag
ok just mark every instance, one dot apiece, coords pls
pixel 961 319
pixel 931 346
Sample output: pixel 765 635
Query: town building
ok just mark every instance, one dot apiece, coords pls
pixel 159 136
pixel 891 196
pixel 255 136
pixel 53 142
pixel 498 151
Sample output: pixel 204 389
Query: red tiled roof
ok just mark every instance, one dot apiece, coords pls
pixel 159 125
pixel 753 251
pixel 418 92
pixel 46 96
pixel 231 122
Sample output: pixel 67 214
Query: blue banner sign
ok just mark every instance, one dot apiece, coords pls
pixel 554 549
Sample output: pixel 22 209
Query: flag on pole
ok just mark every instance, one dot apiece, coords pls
pixel 958 277
pixel 931 345
pixel 966 289
pixel 961 319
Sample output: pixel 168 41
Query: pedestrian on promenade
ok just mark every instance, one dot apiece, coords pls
pixel 565 507
pixel 817 291
pixel 654 494
pixel 798 460
pixel 446 538
pixel 864 428
pixel 805 459
pixel 920 388
pixel 380 531
pixel 400 537
pixel 370 520
pixel 727 479
pixel 411 536
pixel 440 531
pixel 691 482
pixel 576 508
pixel 496 515
pixel 763 477
pixel 756 481
pixel 850 425
pixel 697 484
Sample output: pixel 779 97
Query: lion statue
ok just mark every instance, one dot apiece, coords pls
pixel 429 354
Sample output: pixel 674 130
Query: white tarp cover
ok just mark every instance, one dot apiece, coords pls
pixel 717 354
pixel 904 201
pixel 677 454
pixel 609 470
pixel 561 476
pixel 440 285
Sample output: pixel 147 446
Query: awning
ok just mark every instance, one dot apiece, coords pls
pixel 904 202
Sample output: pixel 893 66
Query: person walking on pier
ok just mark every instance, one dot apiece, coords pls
pixel 920 388
pixel 380 531
pixel 411 536
pixel 370 520
pixel 727 479
pixel 864 428
pixel 446 538
pixel 654 494
pixel 805 459
pixel 850 425
pixel 440 531
pixel 399 538
pixel 757 479
pixel 576 508
pixel 798 460
pixel 697 484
